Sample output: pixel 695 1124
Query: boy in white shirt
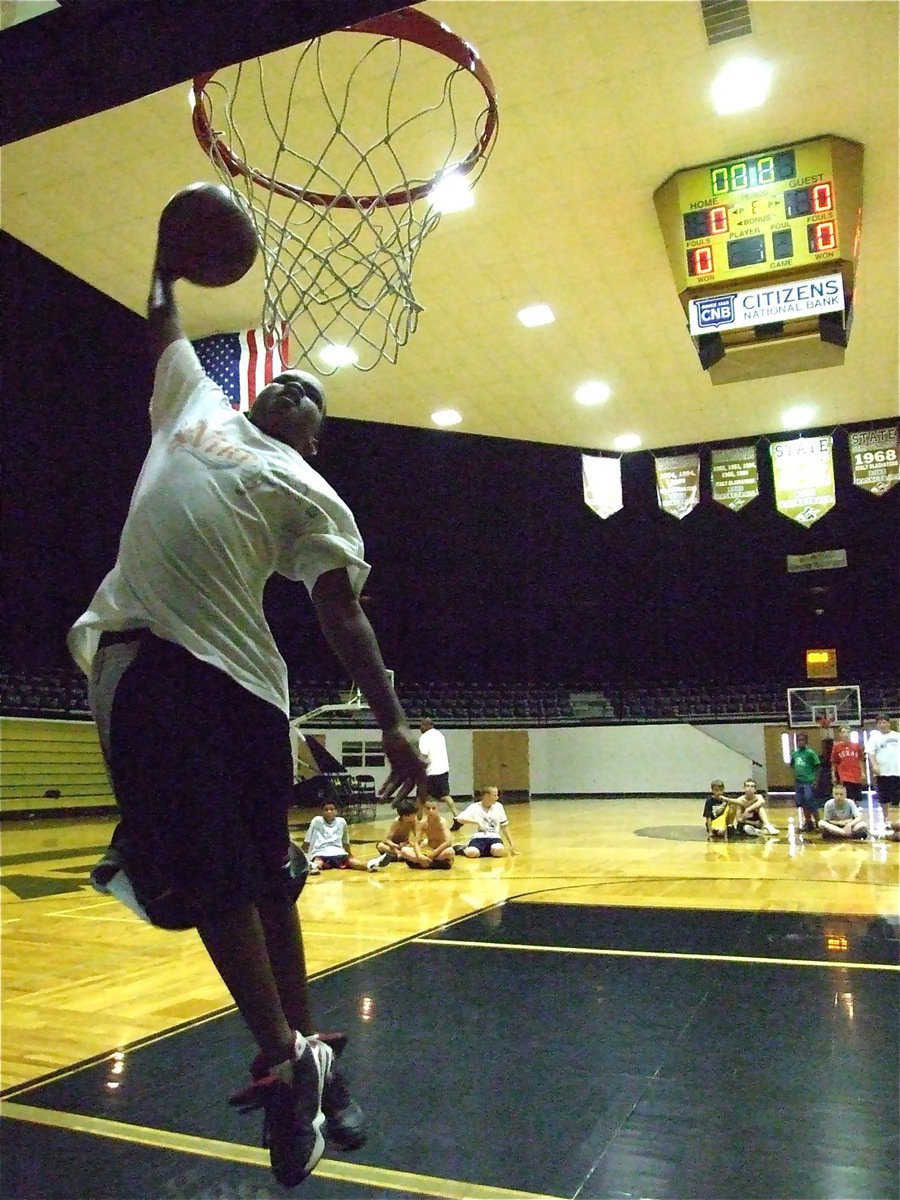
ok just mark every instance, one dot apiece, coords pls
pixel 883 749
pixel 488 815
pixel 327 843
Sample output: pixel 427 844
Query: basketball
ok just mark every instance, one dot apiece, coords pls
pixel 206 237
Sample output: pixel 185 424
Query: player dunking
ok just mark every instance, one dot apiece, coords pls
pixel 190 696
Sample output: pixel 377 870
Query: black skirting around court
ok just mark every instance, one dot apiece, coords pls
pixel 558 1069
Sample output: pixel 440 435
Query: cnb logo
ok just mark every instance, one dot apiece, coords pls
pixel 715 311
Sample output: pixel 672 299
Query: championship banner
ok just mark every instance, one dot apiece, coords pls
pixel 873 454
pixel 678 484
pixel 804 478
pixel 734 476
pixel 602 482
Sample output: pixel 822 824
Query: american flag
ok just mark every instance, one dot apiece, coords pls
pixel 243 363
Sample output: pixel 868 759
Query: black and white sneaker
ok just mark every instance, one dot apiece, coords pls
pixel 344 1120
pixel 290 1095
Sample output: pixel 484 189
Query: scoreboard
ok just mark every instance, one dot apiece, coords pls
pixel 787 211
pixel 741 232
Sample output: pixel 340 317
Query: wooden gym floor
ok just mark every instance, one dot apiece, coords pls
pixel 623 1009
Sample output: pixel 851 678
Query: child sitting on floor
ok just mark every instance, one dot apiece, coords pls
pixel 327 843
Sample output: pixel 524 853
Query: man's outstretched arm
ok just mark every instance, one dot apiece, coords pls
pixel 350 635
pixel 162 310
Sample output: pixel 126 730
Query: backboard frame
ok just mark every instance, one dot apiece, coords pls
pixel 837 704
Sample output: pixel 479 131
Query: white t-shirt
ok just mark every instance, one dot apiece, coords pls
pixel 218 508
pixel 847 812
pixel 489 819
pixel 885 749
pixel 326 841
pixel 433 748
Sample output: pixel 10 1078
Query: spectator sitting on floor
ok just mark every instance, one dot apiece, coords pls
pixel 492 838
pixel 719 812
pixel 753 817
pixel 433 838
pixel 401 842
pixel 841 818
pixel 327 843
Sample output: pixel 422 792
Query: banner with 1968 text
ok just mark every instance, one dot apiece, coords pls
pixel 873 454
pixel 804 478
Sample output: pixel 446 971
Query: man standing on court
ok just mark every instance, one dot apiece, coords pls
pixel 433 748
pixel 190 696
pixel 883 749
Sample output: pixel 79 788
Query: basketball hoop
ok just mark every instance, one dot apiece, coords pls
pixel 341 220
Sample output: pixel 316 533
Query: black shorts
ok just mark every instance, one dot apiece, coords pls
pixel 854 791
pixel 888 789
pixel 438 785
pixel 331 862
pixel 483 845
pixel 203 776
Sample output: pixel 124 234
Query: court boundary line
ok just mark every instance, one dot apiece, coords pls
pixel 601 952
pixel 361 1174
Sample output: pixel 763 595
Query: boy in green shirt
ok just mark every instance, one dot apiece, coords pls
pixel 805 765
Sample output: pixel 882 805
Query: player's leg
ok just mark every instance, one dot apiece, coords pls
pixel 451 804
pixel 175 765
pixel 830 830
pixel 265 801
pixel 762 813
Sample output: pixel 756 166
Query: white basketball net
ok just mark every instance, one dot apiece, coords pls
pixel 338 256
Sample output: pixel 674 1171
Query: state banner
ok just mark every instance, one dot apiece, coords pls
pixel 678 483
pixel 602 482
pixel 803 471
pixel 873 455
pixel 734 476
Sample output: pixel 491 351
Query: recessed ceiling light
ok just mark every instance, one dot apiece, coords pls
pixel 451 193
pixel 798 417
pixel 446 416
pixel 627 441
pixel 593 392
pixel 536 314
pixel 740 85
pixel 334 355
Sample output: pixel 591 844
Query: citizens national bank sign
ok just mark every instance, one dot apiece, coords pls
pixel 767 304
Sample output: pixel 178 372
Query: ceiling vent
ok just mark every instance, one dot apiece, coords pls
pixel 725 19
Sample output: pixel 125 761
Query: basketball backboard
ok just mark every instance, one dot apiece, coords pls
pixel 831 706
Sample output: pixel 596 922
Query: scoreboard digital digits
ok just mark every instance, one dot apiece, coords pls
pixel 791 208
pixel 753 172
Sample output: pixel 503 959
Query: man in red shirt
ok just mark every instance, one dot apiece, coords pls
pixel 847 764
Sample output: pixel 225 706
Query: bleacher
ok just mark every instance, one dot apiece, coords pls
pixel 52 765
pixel 62 694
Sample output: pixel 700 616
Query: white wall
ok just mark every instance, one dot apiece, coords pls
pixel 631 758
pixel 608 759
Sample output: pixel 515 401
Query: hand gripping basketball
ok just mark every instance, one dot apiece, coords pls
pixel 206 237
